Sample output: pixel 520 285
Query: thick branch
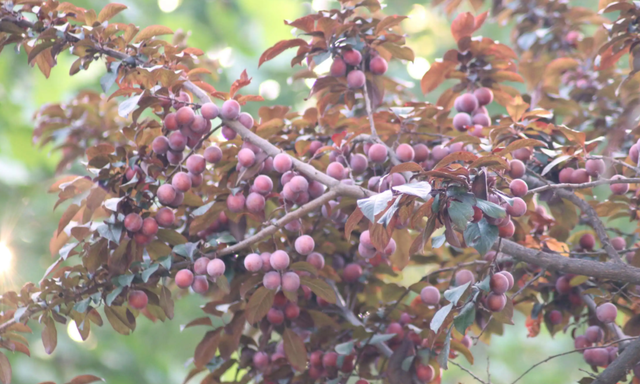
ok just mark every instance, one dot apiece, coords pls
pixel 618 369
pixel 553 262
pixel 592 216
pixel 270 230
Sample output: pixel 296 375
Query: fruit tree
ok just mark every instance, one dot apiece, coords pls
pixel 295 226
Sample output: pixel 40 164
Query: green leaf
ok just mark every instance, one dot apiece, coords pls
pixel 491 209
pixel 460 214
pixel 305 267
pixel 81 306
pixel 146 274
pixel 438 241
pixel 186 250
pixel 454 294
pixel 481 236
pixel 107 80
pixel 165 262
pixel 123 280
pixel 439 317
pixel 485 285
pixel 345 348
pixel 443 357
pixel 202 210
pixel 127 106
pixel 465 318
pixel 377 339
pixel 375 204
pixel 388 215
pixel 112 295
pixel 421 189
pixel 320 288
pixel 407 362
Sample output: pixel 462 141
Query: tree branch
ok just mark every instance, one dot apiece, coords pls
pixel 590 184
pixel 592 216
pixel 367 105
pixel 615 161
pixel 270 230
pixel 467 371
pixel 618 369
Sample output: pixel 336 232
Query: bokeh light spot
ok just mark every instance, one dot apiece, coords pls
pixel 269 89
pixel 5 258
pixel 168 6
pixel 418 67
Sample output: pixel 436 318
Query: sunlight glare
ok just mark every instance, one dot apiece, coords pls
pixel 168 6
pixel 74 334
pixel 5 258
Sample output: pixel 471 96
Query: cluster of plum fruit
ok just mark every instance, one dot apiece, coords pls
pixel 350 64
pixel 472 113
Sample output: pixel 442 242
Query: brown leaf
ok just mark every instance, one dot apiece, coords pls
pixel 418 244
pixel 406 167
pixel 259 304
pixel 118 319
pixel 49 335
pixel 522 143
pixel 465 24
pixel 151 31
pixel 38 49
pixel 517 108
pixel 320 288
pixel 5 369
pixel 490 161
pixel 608 59
pixel 242 82
pixel 206 349
pixel 294 349
pixel 68 214
pixel 352 221
pixel 456 156
pixel 400 258
pixel 388 22
pixel 575 136
pixel 399 52
pixel 278 48
pixel 109 11
pixel 85 379
pixel 437 73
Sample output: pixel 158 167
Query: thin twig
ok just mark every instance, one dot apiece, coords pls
pixel 367 105
pixel 590 184
pixel 193 150
pixel 616 161
pixel 468 371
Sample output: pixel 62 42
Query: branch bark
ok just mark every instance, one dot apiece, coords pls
pixel 618 369
pixel 583 185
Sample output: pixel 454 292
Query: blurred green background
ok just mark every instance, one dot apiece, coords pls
pixel 236 32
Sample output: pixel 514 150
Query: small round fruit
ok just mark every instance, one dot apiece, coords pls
pixel 466 103
pixel 213 154
pixel 133 222
pixel 228 133
pixel 618 243
pixel 170 122
pixel 329 360
pixel 209 111
pixel 291 311
pixel 356 79
pixel 149 226
pixel 336 170
pixel 607 313
pixel 522 154
pixel 619 189
pixel 509 277
pixel 338 67
pixel 255 202
pixel 461 121
pixel 595 167
pixel 596 356
pixel 196 164
pixel 405 153
pixel 230 110
pixel 587 241
pixel 160 145
pixel 352 272
pixel 253 262
pixel 185 116
pixel 565 175
pixel 430 295
pixel 298 184
pixel 275 316
pixel 425 373
pixel 390 249
pixel 579 176
pixel 464 276
pixel 282 163
pixel 236 203
pixel 215 268
pixel 260 360
pixel 581 342
pixel 518 187
pixel 200 266
pixel 290 282
pixel 165 217
pixel 271 280
pixel 246 120
pixel 555 317
pixel 440 152
pixel 518 208
pixel 263 184
pixel 316 259
pixel 279 260
pixel 138 299
pixel 378 66
pixel 563 285
pixel 594 334
pixel 352 57
pixel 517 169
pixel 304 244
pixel 421 153
pixel 378 153
pixel 507 230
pixel 359 163
pixel 496 302
pixel 395 328
pixel 177 141
pixel 246 157
pixel 499 283
pixel 484 95
pixel 184 278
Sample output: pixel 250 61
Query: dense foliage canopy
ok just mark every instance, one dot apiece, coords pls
pixel 296 225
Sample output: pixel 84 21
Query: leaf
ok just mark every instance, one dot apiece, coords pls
pixel 406 167
pixel 107 80
pixel 465 24
pixel 481 236
pixel 454 294
pixel 377 339
pixel 259 304
pixel 456 156
pixel 575 136
pixel 305 267
pixel 278 48
pixel 352 221
pixel 85 379
pixel 437 73
pixel 375 204
pixel 320 288
pixel 38 49
pixel 398 51
pixel 460 213
pixel 5 369
pixel 68 214
pixel 490 161
pixel 439 317
pixel 443 356
pixel 199 321
pixel 491 209
pixel 49 335
pixel 206 349
pixel 465 318
pixel 151 31
pixel 522 143
pixel 127 106
pixel 117 317
pixel 400 258
pixel 109 11
pixel 506 315
pixel 516 108
pixel 421 189
pixel 294 350
pixel 388 22
pixel 187 250
pixel 146 274
pixel 555 162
